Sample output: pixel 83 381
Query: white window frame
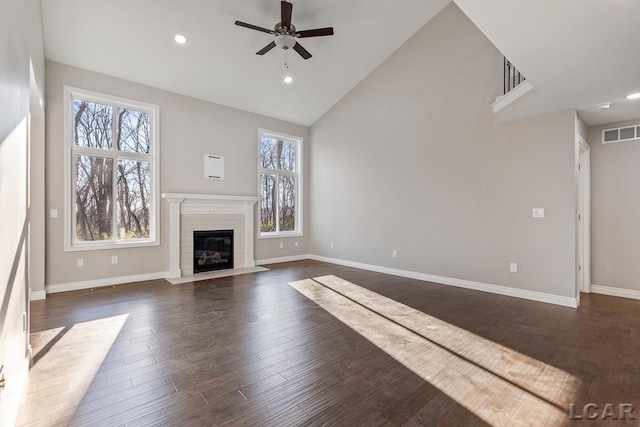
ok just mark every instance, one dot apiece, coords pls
pixel 299 185
pixel 71 150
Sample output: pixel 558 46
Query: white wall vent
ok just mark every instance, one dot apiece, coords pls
pixel 627 133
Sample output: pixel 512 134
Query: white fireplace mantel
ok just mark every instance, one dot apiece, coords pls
pixel 185 204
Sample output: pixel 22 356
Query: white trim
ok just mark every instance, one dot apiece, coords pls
pixel 190 204
pixel 281 235
pixel 583 177
pixel 615 292
pixel 279 260
pixel 37 295
pixel 467 284
pixel 183 196
pixel 70 243
pixel 298 175
pixel 111 281
pixel 515 93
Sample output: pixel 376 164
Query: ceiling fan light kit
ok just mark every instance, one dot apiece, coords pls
pixel 285 41
pixel 286 33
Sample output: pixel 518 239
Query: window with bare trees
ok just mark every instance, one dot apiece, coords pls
pixel 111 171
pixel 280 184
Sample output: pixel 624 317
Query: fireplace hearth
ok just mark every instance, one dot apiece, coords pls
pixel 212 250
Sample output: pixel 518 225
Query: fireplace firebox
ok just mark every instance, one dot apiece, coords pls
pixel 212 250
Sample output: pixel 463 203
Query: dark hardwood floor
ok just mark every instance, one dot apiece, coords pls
pixel 252 350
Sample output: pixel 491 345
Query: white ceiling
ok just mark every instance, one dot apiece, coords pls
pixel 576 53
pixel 133 40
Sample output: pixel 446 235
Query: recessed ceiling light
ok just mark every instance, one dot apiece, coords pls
pixel 634 96
pixel 288 80
pixel 180 39
pixel 604 106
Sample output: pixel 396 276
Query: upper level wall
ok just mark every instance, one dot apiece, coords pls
pixel 412 161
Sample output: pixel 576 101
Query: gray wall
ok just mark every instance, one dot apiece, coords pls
pixel 411 160
pixel 21 35
pixel 189 128
pixel 615 210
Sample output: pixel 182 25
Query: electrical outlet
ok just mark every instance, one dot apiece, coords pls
pixel 281 245
pixel 331 245
pixel 80 262
pixel 54 213
pixel 538 213
pixel 513 267
pixel 394 253
pixel 114 259
pixel 295 243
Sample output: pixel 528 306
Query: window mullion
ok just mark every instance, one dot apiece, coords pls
pixel 74 198
pixel 114 146
pixel 279 172
pixel 123 155
pixel 277 185
pixel 94 152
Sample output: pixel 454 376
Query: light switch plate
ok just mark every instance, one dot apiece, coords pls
pixel 54 213
pixel 538 212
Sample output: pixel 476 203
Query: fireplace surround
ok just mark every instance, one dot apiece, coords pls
pixel 200 212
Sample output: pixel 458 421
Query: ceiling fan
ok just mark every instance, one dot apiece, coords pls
pixel 286 33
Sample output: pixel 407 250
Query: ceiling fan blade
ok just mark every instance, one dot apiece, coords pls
pixel 302 51
pixel 286 9
pixel 254 27
pixel 318 32
pixel 266 49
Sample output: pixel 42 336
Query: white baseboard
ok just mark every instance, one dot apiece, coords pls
pixel 615 292
pixel 467 284
pixel 282 259
pixel 37 295
pixel 112 281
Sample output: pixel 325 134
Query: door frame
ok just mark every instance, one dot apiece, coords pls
pixel 583 216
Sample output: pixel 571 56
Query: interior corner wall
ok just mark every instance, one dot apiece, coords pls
pixel 412 161
pixel 582 130
pixel 615 209
pixel 189 128
pixel 22 44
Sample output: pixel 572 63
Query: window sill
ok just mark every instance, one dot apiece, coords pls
pixel 110 245
pixel 279 235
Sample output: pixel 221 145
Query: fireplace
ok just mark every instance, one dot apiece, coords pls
pixel 212 250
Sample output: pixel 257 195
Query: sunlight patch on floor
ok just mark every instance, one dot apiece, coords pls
pixel 494 382
pixel 71 378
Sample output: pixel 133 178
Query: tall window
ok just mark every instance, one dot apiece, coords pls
pixel 280 185
pixel 111 171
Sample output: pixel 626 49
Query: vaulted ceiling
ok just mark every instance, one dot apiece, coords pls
pixel 576 53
